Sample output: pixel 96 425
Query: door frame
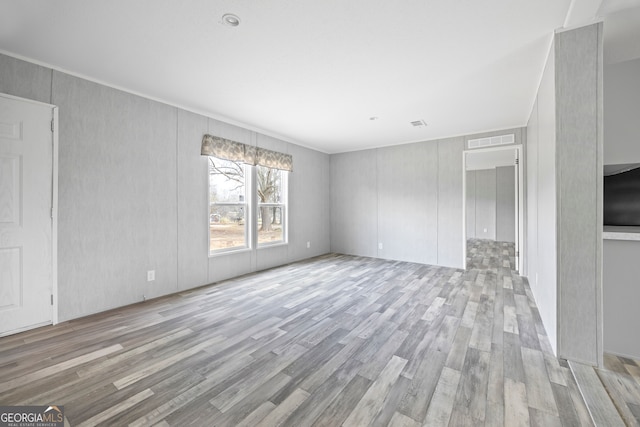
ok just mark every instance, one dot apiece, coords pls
pixel 519 190
pixel 54 199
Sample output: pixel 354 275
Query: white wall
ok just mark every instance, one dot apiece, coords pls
pixel 486 204
pixel 622 107
pixel 579 192
pixel 406 197
pixel 541 201
pixel 620 267
pixel 490 204
pixel 505 204
pixel 621 296
pixel 387 196
pixel 564 173
pixel 481 204
pixel 133 194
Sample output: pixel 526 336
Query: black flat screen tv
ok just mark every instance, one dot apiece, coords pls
pixel 622 198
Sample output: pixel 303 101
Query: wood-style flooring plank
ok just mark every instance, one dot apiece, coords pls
pixel 516 411
pixel 602 410
pixel 539 392
pixel 327 341
pixel 442 402
pixel 367 408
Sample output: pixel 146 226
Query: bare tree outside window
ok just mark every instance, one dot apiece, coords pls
pixel 227 205
pixel 271 202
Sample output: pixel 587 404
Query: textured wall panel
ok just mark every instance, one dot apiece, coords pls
pixel 621 295
pixel 546 291
pixel 309 204
pixel 227 266
pixel 531 178
pixel 354 201
pixel 621 106
pixel 505 204
pixel 407 202
pixel 24 79
pixel 578 53
pixel 450 176
pixel 193 188
pixel 117 197
pixel 486 204
pixel 470 204
pixel 541 201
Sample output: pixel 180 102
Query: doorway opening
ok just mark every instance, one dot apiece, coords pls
pixel 493 198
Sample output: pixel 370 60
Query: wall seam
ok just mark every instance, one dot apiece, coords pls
pixel 177 203
pixel 377 152
pixel 438 201
pixel 208 208
pixel 51 88
pixel 599 196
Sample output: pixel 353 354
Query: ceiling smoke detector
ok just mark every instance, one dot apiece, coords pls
pixel 418 123
pixel 230 19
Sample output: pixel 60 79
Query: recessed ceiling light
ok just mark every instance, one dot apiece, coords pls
pixel 230 19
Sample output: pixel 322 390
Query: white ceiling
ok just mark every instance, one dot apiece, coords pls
pixel 308 71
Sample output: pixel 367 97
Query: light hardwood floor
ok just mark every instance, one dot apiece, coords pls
pixel 335 340
pixel 621 379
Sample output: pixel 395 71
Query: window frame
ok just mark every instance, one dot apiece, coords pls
pixel 284 209
pixel 248 218
pixel 251 205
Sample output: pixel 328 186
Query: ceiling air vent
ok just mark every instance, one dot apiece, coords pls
pixel 492 141
pixel 418 123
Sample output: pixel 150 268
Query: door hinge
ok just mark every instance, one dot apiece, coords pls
pixel 517 253
pixel 51 299
pixel 51 125
pixel 517 161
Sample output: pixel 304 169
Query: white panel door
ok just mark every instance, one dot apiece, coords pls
pixel 26 181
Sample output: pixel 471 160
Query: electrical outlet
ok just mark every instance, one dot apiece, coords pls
pixel 308 245
pixel 151 275
pixel 485 230
pixel 380 245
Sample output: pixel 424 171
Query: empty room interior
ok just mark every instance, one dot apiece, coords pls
pixel 330 213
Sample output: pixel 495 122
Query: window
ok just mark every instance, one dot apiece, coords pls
pixel 272 213
pixel 247 194
pixel 228 208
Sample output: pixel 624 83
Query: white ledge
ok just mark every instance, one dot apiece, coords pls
pixel 611 232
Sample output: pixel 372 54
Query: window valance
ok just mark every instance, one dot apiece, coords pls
pixel 238 152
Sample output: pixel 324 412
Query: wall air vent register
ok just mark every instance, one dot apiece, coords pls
pixel 492 141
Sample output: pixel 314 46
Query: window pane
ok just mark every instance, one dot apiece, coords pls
pixel 226 181
pixel 227 207
pixel 271 230
pixel 227 225
pixel 271 205
pixel 269 185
